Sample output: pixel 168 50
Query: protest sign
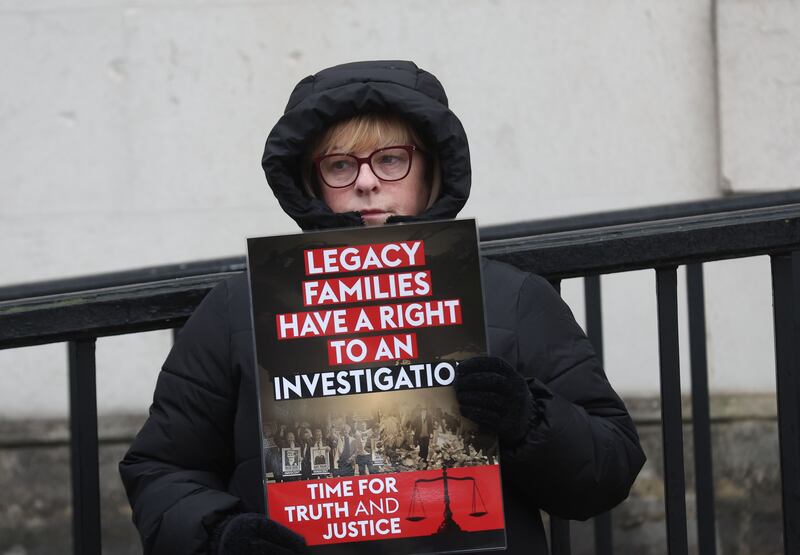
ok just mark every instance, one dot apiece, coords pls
pixel 358 334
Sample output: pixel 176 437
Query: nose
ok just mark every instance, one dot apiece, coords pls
pixel 366 180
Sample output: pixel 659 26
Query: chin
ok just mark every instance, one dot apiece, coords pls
pixel 377 219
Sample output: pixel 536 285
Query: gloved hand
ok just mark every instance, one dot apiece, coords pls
pixel 496 397
pixel 254 534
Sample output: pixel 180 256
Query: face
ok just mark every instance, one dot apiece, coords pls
pixel 376 199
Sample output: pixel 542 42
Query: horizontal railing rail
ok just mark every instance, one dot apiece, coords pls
pixel 487 233
pixel 643 214
pixel 660 238
pixel 137 276
pixel 167 303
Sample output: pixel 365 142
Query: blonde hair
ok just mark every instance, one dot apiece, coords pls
pixel 367 131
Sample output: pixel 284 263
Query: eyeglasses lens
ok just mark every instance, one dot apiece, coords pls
pixel 390 163
pixel 339 171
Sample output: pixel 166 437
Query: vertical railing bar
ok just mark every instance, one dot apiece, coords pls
pixel 594 314
pixel 786 306
pixel 559 528
pixel 671 418
pixel 701 414
pixel 83 448
pixel 603 534
pixel 559 536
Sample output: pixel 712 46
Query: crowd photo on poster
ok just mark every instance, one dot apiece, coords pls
pixel 361 438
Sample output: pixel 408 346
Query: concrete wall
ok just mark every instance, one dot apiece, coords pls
pixel 131 134
pixel 759 76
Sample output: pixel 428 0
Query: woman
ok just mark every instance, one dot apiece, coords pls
pixel 567 443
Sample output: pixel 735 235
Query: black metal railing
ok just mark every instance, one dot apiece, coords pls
pixel 661 238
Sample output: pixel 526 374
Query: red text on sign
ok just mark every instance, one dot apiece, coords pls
pixel 366 288
pixel 368 319
pixel 372 349
pixel 364 257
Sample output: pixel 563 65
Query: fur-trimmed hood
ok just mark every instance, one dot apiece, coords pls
pixel 343 91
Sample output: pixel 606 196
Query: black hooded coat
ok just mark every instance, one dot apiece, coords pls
pixel 197 458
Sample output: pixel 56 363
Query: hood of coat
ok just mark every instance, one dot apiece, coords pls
pixel 343 91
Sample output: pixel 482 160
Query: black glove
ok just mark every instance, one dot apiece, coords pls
pixel 254 534
pixel 496 397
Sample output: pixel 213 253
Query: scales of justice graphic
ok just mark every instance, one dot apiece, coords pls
pixel 416 511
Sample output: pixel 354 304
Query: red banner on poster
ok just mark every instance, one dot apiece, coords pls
pixel 385 506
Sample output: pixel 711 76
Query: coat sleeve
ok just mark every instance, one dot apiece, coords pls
pixel 581 453
pixel 176 471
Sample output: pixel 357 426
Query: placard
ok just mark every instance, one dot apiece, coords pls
pixel 358 335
